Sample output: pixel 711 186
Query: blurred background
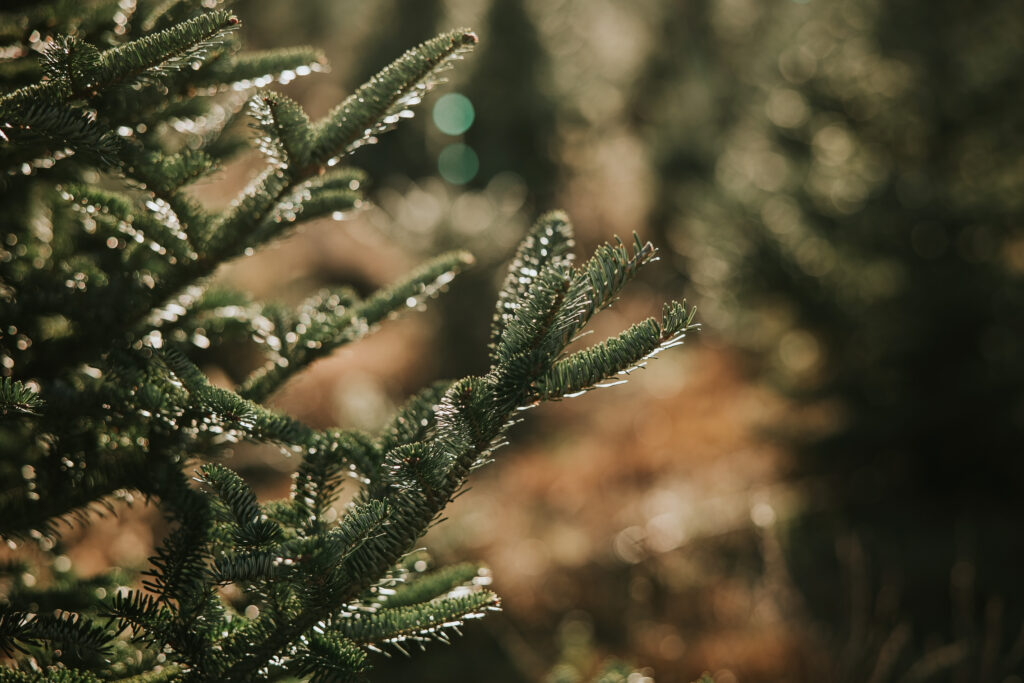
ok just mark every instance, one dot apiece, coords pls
pixel 824 484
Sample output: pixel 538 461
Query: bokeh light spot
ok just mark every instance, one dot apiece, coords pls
pixel 453 114
pixel 458 164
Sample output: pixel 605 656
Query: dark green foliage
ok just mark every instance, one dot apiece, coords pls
pixel 77 71
pixel 65 630
pixel 15 397
pixel 429 586
pixel 617 356
pixel 106 308
pixel 286 135
pixel 414 421
pixel 52 676
pixel 329 658
pixel 549 243
pixel 323 324
pixel 49 128
pixel 383 100
pixel 416 621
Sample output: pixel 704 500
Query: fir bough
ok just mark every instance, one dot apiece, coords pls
pixel 105 300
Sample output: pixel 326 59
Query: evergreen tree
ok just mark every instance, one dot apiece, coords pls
pixel 109 112
pixel 848 201
pixel 513 68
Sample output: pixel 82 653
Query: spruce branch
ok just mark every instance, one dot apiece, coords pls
pixel 87 73
pixel 415 419
pixel 419 622
pixel 165 174
pixel 426 587
pixel 615 357
pixel 287 137
pixel 244 70
pixel 33 131
pixel 15 397
pixel 250 527
pixel 321 330
pixel 384 100
pixel 549 242
pixel 597 282
pixel 68 631
pixel 132 222
pixel 327 658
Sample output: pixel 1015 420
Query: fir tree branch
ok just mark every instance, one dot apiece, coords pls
pixel 381 102
pixel 72 60
pixel 398 85
pixel 250 527
pixel 38 130
pixel 150 619
pixel 617 356
pixel 164 674
pixel 49 675
pixel 409 515
pixel 165 174
pixel 69 631
pixel 287 137
pixel 136 224
pixel 423 621
pixel 155 55
pixel 223 409
pixel 466 426
pixel 179 568
pixel 15 397
pixel 321 331
pixel 340 555
pixel 137 419
pixel 311 203
pixel 220 315
pixel 329 658
pixel 232 233
pixel 527 337
pixel 249 69
pixel 164 52
pixel 426 587
pixel 415 419
pixel 317 482
pixel 598 282
pixel 332 563
pixel 549 241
